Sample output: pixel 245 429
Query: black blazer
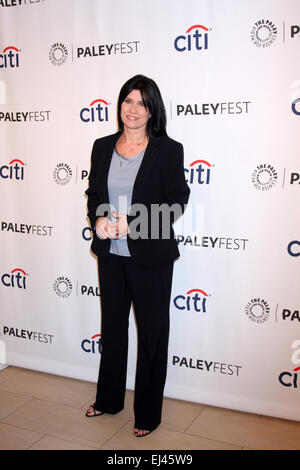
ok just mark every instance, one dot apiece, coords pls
pixel 160 180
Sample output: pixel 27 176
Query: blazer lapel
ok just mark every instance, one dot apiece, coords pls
pixel 151 153
pixel 108 156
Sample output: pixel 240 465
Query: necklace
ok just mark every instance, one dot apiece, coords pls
pixel 131 148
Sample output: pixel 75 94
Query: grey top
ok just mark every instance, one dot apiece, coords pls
pixel 121 178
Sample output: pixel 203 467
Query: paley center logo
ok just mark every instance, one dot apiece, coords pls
pixel 15 279
pixel 198 172
pixel 263 33
pixel 62 174
pixel 96 111
pixel 291 378
pixel 58 54
pixel 13 171
pixel 9 58
pixel 258 310
pixel 194 300
pixel 264 177
pixel 63 287
pixel 195 38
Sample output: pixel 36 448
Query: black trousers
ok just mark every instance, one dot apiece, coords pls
pixel 123 282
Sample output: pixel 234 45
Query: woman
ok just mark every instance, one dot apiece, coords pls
pixel 134 173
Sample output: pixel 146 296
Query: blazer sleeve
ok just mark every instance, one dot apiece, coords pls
pixel 175 189
pixel 93 201
pixel 174 192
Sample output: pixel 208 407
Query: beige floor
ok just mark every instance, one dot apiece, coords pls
pixel 42 411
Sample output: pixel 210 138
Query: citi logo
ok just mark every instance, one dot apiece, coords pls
pixel 9 57
pixel 193 300
pixel 16 279
pixel 13 171
pixel 92 345
pixel 296 106
pixel 198 172
pixel 97 111
pixel 87 234
pixel 294 248
pixel 195 38
pixel 289 378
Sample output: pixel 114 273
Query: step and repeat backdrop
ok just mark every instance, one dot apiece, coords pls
pixel 229 74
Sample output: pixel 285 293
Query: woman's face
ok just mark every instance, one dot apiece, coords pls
pixel 134 114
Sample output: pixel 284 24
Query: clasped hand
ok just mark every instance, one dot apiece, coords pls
pixel 107 229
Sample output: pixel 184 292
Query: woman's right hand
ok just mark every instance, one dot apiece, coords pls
pixel 101 227
pixel 105 228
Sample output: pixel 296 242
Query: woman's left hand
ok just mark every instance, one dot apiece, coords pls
pixel 122 228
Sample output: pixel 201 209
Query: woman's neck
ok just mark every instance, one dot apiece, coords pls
pixel 132 143
pixel 134 136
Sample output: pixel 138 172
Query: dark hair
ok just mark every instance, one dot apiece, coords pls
pixel 152 99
